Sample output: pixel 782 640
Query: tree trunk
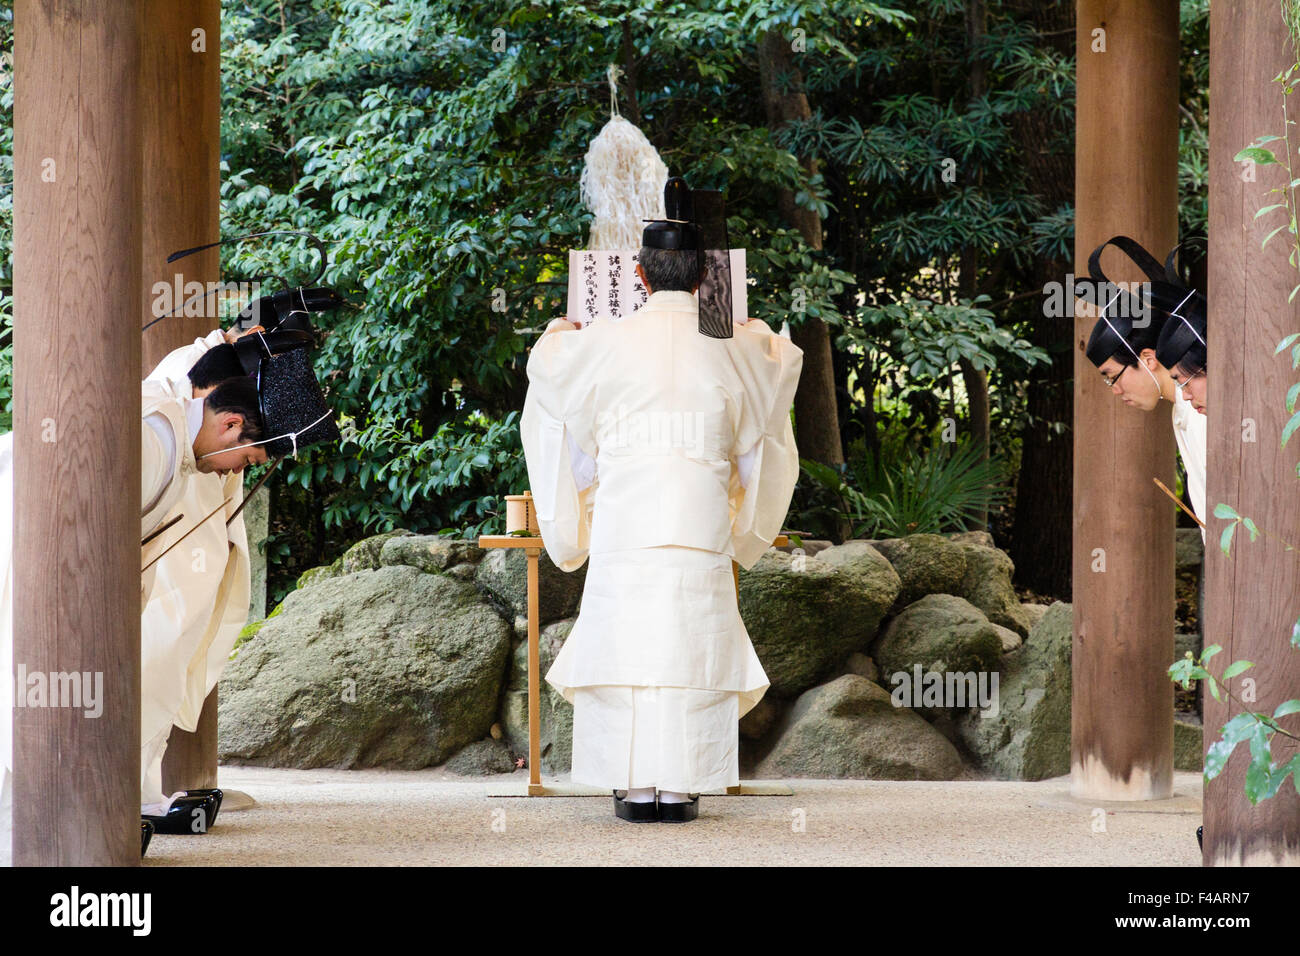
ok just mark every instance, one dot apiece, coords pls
pixel 1042 533
pixel 815 414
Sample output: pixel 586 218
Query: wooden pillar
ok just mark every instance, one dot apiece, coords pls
pixel 181 77
pixel 1252 594
pixel 1126 182
pixel 77 307
pixel 190 761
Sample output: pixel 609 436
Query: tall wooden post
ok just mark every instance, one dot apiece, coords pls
pixel 77 306
pixel 181 76
pixel 1126 182
pixel 1252 594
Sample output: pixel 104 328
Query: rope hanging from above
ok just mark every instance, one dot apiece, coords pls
pixel 622 180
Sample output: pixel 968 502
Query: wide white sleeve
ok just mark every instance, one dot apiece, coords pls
pixel 157 461
pixel 175 366
pixel 558 434
pixel 765 459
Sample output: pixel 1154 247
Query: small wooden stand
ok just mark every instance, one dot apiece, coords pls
pixel 533 546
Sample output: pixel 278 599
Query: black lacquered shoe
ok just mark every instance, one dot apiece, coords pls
pixel 1200 840
pixel 146 834
pixel 194 811
pixel 646 812
pixel 680 812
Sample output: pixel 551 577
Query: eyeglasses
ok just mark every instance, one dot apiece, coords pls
pixel 1110 382
pixel 1182 386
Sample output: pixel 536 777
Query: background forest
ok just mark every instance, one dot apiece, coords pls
pixel 901 176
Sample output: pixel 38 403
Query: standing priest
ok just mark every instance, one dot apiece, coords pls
pixel 661 445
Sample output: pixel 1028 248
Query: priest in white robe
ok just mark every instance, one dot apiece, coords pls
pixel 663 454
pixel 194 445
pixel 198 593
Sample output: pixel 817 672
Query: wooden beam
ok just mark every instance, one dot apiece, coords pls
pixel 180 170
pixel 1126 182
pixel 77 305
pixel 1253 594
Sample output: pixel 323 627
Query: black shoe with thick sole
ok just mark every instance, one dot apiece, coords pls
pixel 1200 839
pixel 192 812
pixel 146 834
pixel 646 812
pixel 680 812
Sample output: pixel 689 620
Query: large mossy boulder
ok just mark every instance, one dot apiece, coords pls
pixel 389 667
pixel 926 564
pixel 987 585
pixel 805 614
pixel 1028 737
pixel 556 712
pixel 503 576
pixel 940 632
pixel 433 554
pixel 849 728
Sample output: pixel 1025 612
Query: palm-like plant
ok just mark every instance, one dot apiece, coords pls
pixel 927 491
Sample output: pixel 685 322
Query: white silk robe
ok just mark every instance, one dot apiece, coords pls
pixel 1190 434
pixel 195 600
pixel 197 595
pixel 662 454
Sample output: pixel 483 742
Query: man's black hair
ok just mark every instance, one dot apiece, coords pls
pixel 670 270
pixel 238 395
pixel 215 365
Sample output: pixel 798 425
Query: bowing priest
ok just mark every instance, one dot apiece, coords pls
pixel 1123 346
pixel 661 446
pixel 204 419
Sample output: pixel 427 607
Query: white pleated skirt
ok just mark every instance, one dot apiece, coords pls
pixel 671 738
pixel 659 669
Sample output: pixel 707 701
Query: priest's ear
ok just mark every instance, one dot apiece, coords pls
pixel 236 400
pixel 640 274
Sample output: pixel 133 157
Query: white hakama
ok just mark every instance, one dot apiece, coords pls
pixel 659 668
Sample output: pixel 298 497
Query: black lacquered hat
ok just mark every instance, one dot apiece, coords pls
pixel 697 220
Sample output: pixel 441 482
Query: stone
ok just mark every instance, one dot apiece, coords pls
pixel 809 546
pixel 849 728
pixel 1010 639
pixel 435 554
pixel 940 632
pixel 1033 613
pixel 257 522
pixel 364 555
pixel 481 758
pixel 1189 742
pixel 556 713
pixel 805 615
pixel 503 576
pixel 1183 643
pixel 1029 736
pixel 324 572
pixel 760 719
pixel 391 667
pixel 987 585
pixel 981 538
pixel 862 665
pixel 1189 550
pixel 926 564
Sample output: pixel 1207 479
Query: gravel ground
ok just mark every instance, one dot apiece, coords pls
pixel 430 817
